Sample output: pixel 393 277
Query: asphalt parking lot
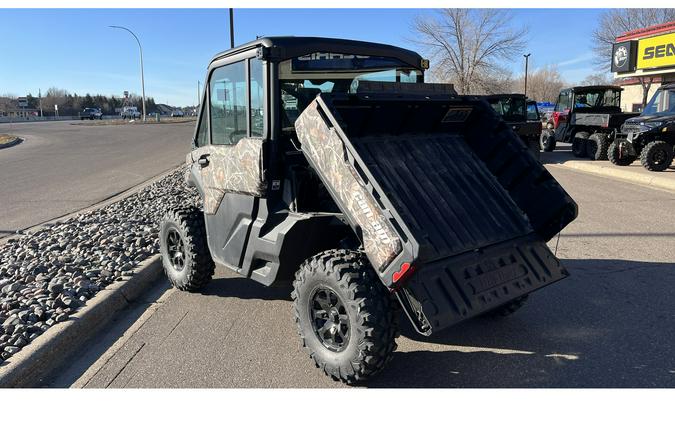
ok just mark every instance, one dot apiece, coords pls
pixel 63 167
pixel 608 325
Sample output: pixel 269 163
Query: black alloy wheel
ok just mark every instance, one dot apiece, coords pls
pixel 176 249
pixel 330 319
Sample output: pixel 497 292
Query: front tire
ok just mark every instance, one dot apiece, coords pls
pixel 346 318
pixel 596 147
pixel 185 253
pixel 657 156
pixel 579 144
pixel 618 157
pixel 547 141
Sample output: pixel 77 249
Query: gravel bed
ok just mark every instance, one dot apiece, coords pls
pixel 47 275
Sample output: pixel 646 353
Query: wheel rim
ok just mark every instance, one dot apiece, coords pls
pixel 659 157
pixel 329 319
pixel 175 249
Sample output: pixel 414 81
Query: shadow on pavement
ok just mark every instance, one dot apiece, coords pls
pixel 608 325
pixel 244 288
pixel 563 154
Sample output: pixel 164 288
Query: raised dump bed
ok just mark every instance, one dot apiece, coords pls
pixel 452 210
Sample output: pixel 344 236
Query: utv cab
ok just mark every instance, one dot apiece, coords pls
pixel 331 163
pixel 521 115
pixel 650 136
pixel 588 117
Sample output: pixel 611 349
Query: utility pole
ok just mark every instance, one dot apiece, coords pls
pixel 141 51
pixel 231 27
pixel 527 57
pixel 199 90
pixel 40 99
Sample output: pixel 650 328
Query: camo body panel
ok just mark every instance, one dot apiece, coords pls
pixel 234 168
pixel 326 150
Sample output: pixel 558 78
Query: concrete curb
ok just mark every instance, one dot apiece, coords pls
pixel 16 141
pixel 650 179
pixel 52 349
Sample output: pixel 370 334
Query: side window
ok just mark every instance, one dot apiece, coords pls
pixel 532 112
pixel 257 98
pixel 563 101
pixel 229 114
pixel 203 133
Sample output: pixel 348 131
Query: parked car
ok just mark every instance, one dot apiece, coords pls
pixel 91 114
pixel 130 112
pixel 177 113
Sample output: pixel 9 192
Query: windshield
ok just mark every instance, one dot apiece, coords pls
pixel 662 103
pixel 597 99
pixel 302 78
pixel 511 109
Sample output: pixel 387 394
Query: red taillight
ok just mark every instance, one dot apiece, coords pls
pixel 406 268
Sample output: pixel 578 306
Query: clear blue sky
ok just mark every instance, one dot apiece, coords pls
pixel 74 49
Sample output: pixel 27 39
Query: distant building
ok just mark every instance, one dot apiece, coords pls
pixel 646 52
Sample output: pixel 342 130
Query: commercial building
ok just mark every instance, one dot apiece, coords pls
pixel 642 56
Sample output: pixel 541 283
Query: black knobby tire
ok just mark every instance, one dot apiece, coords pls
pixel 657 156
pixel 508 308
pixel 579 144
pixel 367 315
pixel 182 233
pixel 596 146
pixel 618 157
pixel 547 140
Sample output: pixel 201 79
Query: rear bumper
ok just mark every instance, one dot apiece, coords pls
pixel 442 293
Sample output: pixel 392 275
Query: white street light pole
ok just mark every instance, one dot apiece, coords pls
pixel 141 51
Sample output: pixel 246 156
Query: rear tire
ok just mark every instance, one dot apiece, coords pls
pixel 596 147
pixel 579 144
pixel 618 157
pixel 508 308
pixel 547 141
pixel 657 156
pixel 185 253
pixel 346 318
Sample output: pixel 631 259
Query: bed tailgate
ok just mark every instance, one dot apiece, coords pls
pixel 438 224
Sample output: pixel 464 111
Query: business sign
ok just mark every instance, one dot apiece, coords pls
pixel 623 56
pixel 23 101
pixel 655 52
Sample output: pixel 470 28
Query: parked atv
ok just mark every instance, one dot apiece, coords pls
pixel 651 136
pixel 521 115
pixel 372 196
pixel 588 117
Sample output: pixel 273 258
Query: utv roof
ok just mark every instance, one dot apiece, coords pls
pixel 505 96
pixel 592 87
pixel 283 48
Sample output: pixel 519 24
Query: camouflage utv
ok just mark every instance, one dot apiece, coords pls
pixel 330 163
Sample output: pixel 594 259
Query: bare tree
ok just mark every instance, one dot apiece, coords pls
pixel 466 45
pixel 543 84
pixel 615 22
pixel 598 79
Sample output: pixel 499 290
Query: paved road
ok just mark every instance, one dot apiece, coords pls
pixel 62 167
pixel 609 325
